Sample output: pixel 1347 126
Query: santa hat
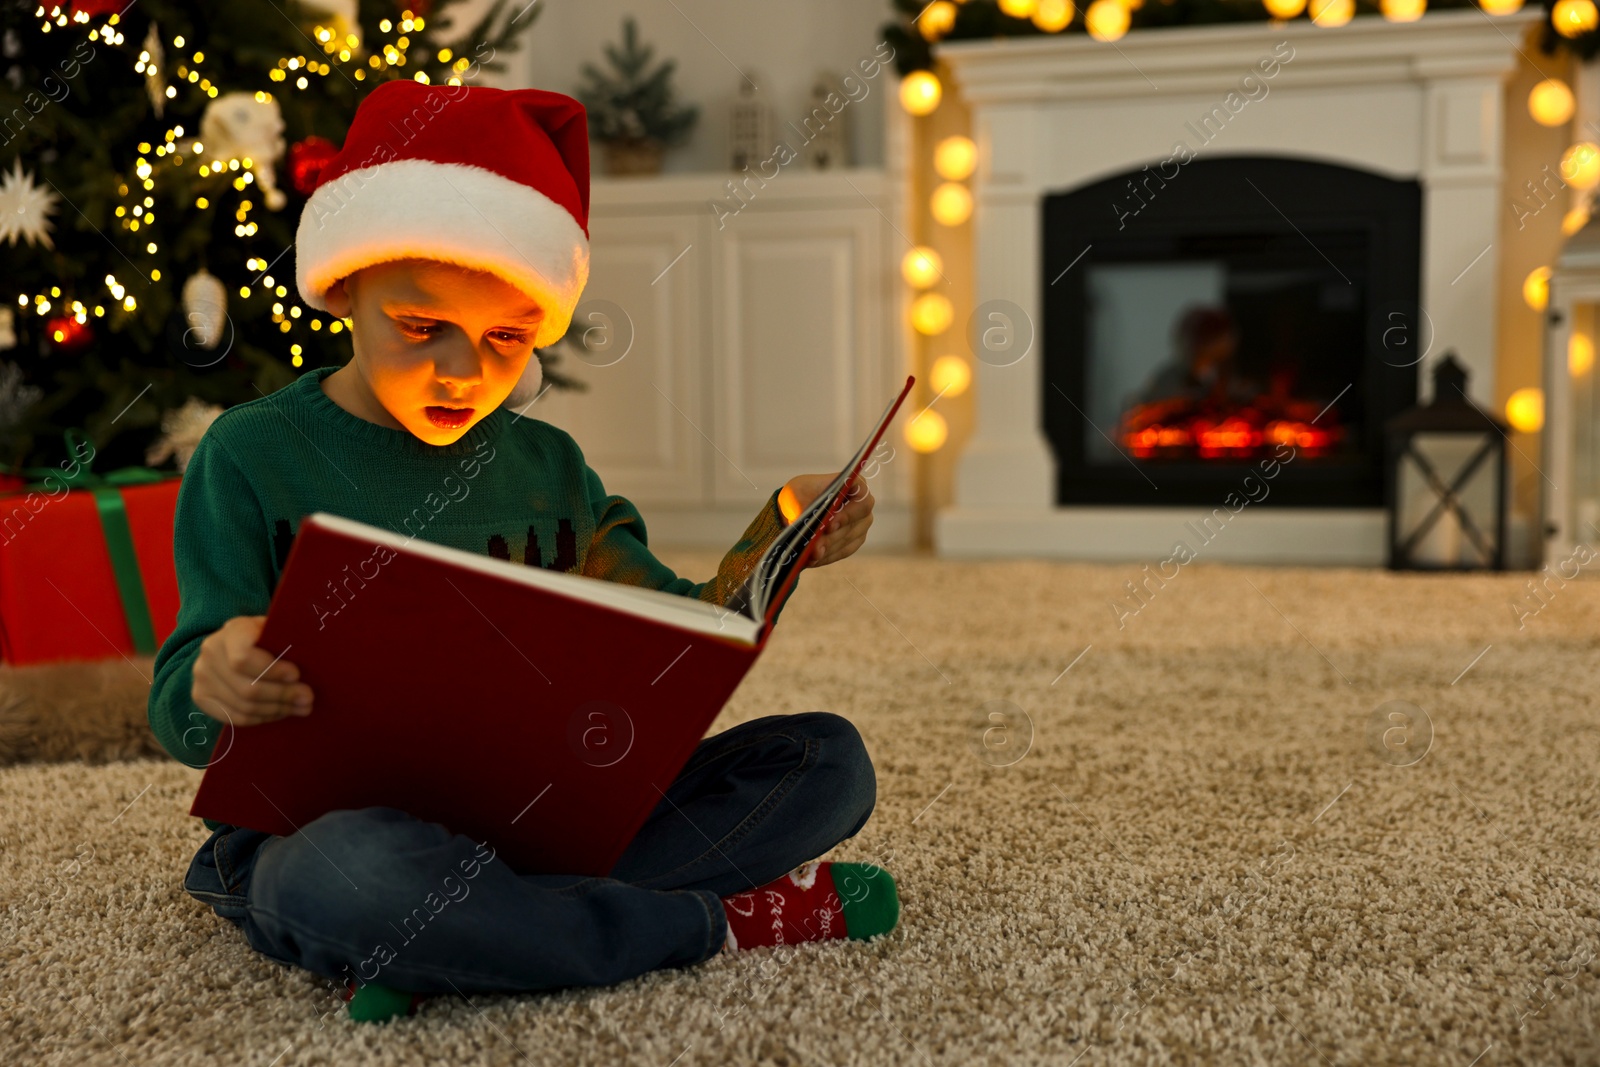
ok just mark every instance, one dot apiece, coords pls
pixel 490 179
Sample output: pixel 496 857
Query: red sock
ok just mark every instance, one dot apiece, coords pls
pixel 805 905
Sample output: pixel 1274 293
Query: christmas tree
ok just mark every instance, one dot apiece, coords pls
pixel 632 102
pixel 154 158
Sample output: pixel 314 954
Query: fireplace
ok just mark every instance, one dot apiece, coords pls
pixel 1399 126
pixel 1201 318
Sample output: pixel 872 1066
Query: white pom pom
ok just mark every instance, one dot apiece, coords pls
pixel 527 388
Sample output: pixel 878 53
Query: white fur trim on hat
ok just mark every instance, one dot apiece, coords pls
pixel 469 216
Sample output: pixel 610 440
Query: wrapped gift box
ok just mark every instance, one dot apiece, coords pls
pixel 87 573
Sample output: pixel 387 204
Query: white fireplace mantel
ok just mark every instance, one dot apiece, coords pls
pixel 1420 100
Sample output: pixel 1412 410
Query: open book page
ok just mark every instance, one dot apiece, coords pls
pixel 787 550
pixel 686 613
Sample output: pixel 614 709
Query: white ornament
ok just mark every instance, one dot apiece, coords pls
pixel 153 60
pixel 25 209
pixel 238 126
pixel 181 431
pixel 205 308
pixel 8 332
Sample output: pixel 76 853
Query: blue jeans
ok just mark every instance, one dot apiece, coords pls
pixel 377 895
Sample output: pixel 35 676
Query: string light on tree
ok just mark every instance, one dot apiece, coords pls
pixel 112 149
pixel 951 204
pixel 1018 9
pixel 1501 7
pixel 1284 9
pixel 920 92
pixel 1332 13
pixel 1574 220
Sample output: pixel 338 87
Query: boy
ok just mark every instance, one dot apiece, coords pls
pixel 451 231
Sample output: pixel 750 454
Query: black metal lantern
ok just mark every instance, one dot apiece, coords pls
pixel 1446 473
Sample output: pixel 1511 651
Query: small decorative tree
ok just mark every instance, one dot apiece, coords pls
pixel 633 110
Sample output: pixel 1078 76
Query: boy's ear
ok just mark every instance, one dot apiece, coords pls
pixel 338 298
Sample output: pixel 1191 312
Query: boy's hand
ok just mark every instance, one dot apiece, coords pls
pixel 228 682
pixel 846 531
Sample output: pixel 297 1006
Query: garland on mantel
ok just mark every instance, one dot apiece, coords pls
pixel 922 23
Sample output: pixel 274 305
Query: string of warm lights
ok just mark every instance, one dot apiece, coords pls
pixel 1110 20
pixel 1551 103
pixel 340 46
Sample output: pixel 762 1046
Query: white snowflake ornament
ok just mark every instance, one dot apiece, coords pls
pixel 25 209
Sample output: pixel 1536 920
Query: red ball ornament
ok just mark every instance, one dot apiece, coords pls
pixel 67 334
pixel 306 160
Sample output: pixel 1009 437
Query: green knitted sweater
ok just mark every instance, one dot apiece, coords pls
pixel 511 486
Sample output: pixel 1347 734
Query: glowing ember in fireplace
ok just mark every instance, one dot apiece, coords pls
pixel 1239 434
pixel 1202 407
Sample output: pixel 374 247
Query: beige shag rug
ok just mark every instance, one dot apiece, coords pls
pixel 1201 833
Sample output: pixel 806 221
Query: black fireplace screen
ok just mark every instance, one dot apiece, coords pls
pixel 1198 323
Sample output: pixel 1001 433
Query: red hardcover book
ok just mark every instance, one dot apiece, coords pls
pixel 543 712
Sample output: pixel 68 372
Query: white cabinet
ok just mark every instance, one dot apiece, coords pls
pixel 735 347
pixel 636 420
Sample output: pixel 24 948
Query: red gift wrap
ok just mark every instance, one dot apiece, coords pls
pixel 60 596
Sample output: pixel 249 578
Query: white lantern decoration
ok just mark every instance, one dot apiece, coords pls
pixel 749 127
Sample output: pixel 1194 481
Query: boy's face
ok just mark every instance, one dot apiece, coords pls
pixel 438 346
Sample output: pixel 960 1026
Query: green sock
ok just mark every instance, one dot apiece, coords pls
pixel 374 1003
pixel 870 901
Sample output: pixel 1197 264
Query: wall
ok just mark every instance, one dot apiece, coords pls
pixel 781 46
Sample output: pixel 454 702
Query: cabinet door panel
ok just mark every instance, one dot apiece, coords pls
pixel 796 333
pixel 636 421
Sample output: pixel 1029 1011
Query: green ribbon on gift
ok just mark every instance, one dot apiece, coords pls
pixel 107 492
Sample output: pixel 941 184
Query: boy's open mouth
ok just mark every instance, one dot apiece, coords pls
pixel 447 418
